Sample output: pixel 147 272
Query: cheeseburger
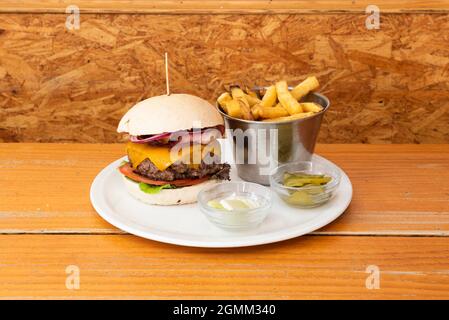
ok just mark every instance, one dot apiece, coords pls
pixel 172 149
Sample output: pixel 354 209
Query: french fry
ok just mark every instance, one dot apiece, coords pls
pixel 308 107
pixel 286 99
pixel 292 117
pixel 238 93
pixel 251 93
pixel 269 98
pixel 245 108
pixel 302 89
pixel 233 109
pixel 223 99
pixel 271 112
pixel 255 111
pixel 252 101
pixel 311 107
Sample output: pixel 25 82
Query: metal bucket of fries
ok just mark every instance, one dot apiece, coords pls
pixel 261 145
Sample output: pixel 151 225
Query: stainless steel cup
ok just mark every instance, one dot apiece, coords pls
pixel 273 143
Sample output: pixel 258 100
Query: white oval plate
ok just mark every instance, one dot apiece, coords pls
pixel 187 226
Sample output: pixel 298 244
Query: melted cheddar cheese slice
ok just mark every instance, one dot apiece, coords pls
pixel 163 157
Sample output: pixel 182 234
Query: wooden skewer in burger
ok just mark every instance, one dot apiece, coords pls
pixel 173 152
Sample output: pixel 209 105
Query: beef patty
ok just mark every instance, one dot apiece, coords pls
pixel 180 170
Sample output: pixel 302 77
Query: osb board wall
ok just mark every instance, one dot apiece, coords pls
pixel 386 86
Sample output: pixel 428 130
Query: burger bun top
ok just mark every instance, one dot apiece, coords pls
pixel 169 113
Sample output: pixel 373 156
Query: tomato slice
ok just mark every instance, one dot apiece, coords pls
pixel 128 172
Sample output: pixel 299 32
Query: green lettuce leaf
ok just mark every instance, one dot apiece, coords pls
pixel 122 163
pixel 151 189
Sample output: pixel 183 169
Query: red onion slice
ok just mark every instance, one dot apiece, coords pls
pixel 203 136
pixel 136 139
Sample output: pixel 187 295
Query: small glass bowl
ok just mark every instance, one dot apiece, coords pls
pixel 238 219
pixel 307 196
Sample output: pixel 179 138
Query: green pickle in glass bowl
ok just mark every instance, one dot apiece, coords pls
pixel 305 184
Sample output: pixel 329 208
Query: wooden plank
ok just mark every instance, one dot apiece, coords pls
pixel 119 266
pixel 212 6
pixel 73 86
pixel 398 189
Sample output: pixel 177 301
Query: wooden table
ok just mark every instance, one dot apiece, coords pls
pixel 397 222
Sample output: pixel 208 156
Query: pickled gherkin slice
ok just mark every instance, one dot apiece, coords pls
pixel 300 197
pixel 307 190
pixel 307 198
pixel 301 179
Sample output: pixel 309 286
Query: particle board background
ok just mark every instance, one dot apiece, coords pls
pixel 386 86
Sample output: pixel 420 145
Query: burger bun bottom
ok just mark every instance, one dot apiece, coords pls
pixel 167 197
